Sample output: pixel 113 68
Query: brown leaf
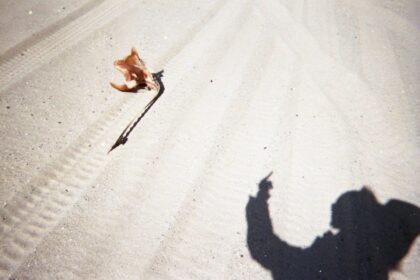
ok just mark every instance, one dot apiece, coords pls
pixel 135 74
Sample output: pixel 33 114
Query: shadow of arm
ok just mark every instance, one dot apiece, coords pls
pixel 260 236
pixel 265 247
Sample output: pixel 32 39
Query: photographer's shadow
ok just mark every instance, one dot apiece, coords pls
pixel 371 241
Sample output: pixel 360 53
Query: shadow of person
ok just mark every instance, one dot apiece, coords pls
pixel 372 239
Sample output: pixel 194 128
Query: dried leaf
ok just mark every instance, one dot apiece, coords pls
pixel 135 74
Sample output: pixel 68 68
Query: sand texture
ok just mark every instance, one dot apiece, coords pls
pixel 324 94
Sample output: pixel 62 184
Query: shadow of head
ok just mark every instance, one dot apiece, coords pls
pixel 382 233
pixel 353 204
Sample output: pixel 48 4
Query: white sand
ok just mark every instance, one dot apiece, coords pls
pixel 323 93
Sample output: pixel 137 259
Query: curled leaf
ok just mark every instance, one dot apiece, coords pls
pixel 135 72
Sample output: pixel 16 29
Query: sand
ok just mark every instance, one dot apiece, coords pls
pixel 325 94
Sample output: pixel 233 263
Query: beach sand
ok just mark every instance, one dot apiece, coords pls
pixel 324 94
